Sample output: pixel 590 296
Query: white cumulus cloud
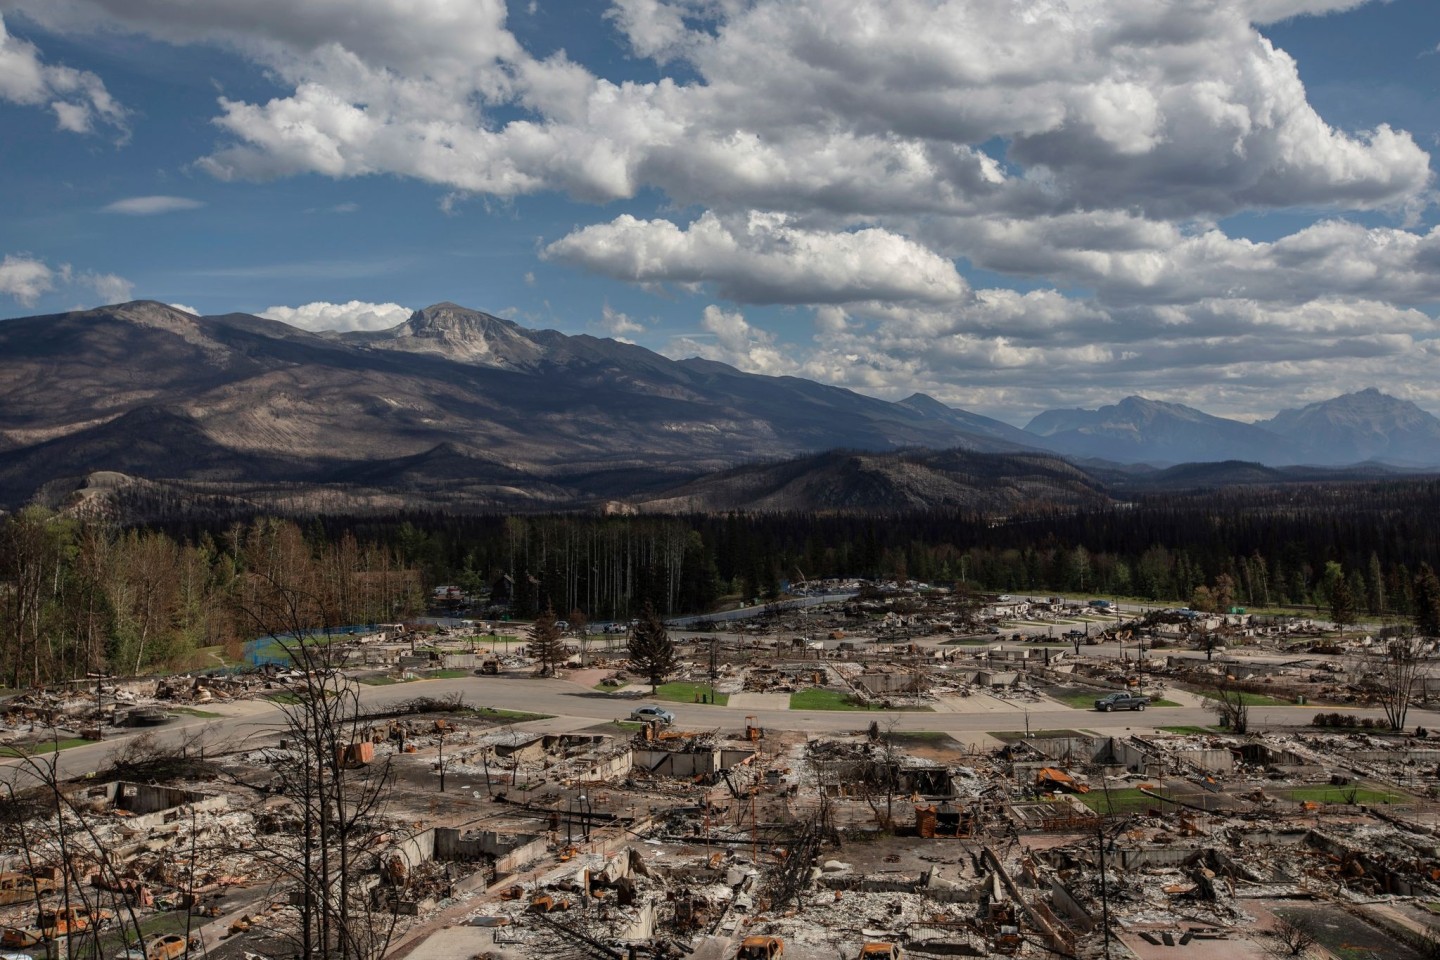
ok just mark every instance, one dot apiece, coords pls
pixel 853 156
pixel 354 315
pixel 27 279
pixel 764 258
pixel 729 338
pixel 78 98
pixel 616 324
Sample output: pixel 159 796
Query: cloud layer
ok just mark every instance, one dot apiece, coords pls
pixel 862 159
pixel 354 315
pixel 78 98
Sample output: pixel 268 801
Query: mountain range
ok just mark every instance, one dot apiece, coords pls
pixel 456 408
pixel 1356 427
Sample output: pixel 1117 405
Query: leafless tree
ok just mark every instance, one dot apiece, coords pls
pixel 56 831
pixel 337 797
pixel 580 624
pixel 1230 705
pixel 1292 938
pixel 1400 670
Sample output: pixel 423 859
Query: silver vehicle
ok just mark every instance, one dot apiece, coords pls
pixel 647 714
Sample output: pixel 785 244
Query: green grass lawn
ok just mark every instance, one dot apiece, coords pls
pixel 191 711
pixel 1187 731
pixel 379 680
pixel 1122 801
pixel 822 699
pixel 452 673
pixel 685 692
pixel 499 641
pixel 208 657
pixel 1326 793
pixel 44 746
pixel 1249 699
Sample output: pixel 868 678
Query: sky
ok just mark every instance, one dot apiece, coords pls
pixel 1010 205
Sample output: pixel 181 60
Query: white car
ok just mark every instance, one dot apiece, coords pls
pixel 647 714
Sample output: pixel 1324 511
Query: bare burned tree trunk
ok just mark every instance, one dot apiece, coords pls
pixel 339 797
pixel 1399 673
pixel 58 836
pixel 1231 705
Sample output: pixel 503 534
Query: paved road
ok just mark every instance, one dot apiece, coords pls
pixel 260 722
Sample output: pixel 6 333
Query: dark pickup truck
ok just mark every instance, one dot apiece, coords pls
pixel 1121 701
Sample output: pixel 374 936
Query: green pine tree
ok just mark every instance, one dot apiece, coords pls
pixel 652 652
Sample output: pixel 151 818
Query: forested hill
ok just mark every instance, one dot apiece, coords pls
pixel 1247 546
pixel 85 595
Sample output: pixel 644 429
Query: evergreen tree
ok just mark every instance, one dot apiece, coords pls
pixel 652 652
pixel 1342 602
pixel 1426 602
pixel 546 645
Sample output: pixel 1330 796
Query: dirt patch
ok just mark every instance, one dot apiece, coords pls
pixel 588 677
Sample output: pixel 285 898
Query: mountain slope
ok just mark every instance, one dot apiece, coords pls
pixel 1137 430
pixel 853 482
pixel 1367 425
pixel 931 409
pixel 451 396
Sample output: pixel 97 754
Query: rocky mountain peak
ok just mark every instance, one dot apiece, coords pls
pixel 458 333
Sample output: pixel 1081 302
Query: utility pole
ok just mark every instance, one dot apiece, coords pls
pixel 442 761
pixel 714 671
pixel 1104 892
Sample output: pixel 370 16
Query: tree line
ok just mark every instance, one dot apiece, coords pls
pixel 81 596
pixel 1367 544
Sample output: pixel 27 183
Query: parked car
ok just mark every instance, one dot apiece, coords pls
pixel 172 946
pixel 647 714
pixel 1121 701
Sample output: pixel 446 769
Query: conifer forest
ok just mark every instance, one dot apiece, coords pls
pixel 85 596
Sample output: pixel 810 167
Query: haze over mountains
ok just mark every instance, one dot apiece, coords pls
pixel 1356 427
pixel 455 407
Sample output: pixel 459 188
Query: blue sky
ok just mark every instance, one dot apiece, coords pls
pixel 1010 206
